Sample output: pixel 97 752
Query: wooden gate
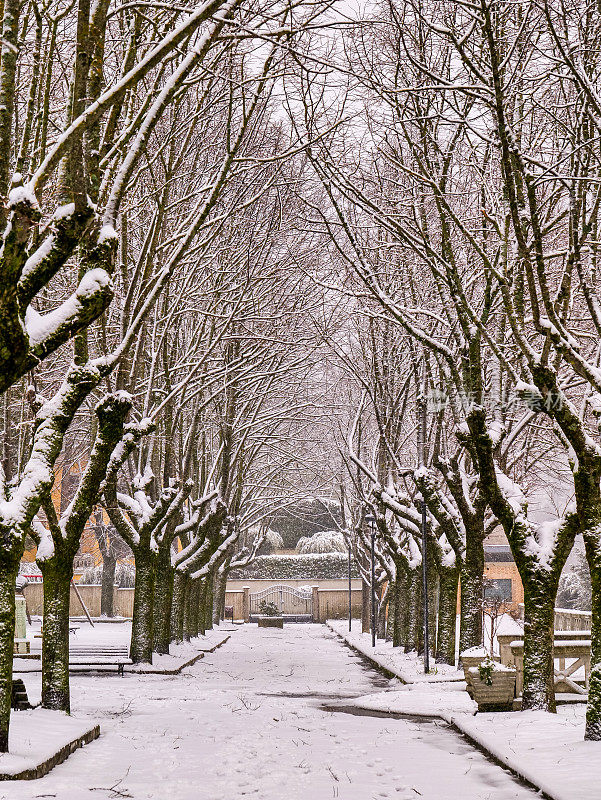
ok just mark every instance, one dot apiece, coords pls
pixel 296 605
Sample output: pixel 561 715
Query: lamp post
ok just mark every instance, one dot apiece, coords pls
pixel 371 521
pixel 350 610
pixel 421 447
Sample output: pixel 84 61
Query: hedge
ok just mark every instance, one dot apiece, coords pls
pixel 314 566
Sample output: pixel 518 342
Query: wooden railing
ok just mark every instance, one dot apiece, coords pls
pixel 571 653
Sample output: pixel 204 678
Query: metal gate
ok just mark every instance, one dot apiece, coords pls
pixel 296 605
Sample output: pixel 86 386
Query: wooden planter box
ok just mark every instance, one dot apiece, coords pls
pixel 270 622
pixel 469 662
pixel 499 696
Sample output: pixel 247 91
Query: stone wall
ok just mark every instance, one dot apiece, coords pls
pixel 123 600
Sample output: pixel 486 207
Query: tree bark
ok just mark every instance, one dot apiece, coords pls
pixel 400 611
pixel 107 592
pixel 177 607
pixel 472 588
pixel 57 573
pixel 365 607
pixel 447 615
pixel 415 631
pixel 163 598
pixel 593 709
pixel 539 617
pixel 188 592
pixel 219 605
pixel 9 568
pixel 390 616
pixel 194 610
pixel 208 605
pixel 142 623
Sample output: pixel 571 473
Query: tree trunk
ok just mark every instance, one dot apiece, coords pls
pixel 365 607
pixel 219 605
pixel 389 634
pixel 188 593
pixel 194 610
pixel 416 625
pixel 57 575
pixel 142 623
pixel 400 611
pixel 433 595
pixel 163 598
pixel 177 607
pixel 593 709
pixel 107 593
pixel 539 617
pixel 447 615
pixel 472 588
pixel 9 568
pixel 208 605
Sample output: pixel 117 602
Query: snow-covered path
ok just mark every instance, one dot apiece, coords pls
pixel 252 720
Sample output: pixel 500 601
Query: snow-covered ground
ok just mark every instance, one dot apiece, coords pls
pixel 265 716
pixel 546 749
pixel 409 667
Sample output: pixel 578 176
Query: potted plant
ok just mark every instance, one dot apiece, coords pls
pixel 493 685
pixel 269 616
pixel 488 682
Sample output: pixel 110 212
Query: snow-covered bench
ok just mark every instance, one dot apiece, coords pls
pixel 97 655
pixel 578 651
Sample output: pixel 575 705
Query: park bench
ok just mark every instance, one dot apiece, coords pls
pixel 99 656
pixel 505 640
pixel 577 651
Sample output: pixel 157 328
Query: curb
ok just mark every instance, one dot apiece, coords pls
pixel 127 667
pixel 457 725
pixel 32 773
pixel 387 671
pixel 176 670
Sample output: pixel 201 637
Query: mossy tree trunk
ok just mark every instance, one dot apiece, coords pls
pixel 188 594
pixel 415 631
pixel 390 615
pixel 539 617
pixel 177 606
pixel 447 614
pixel 219 603
pixel 365 606
pixel 9 567
pixel 143 617
pixel 194 610
pixel 57 573
pixel 588 502
pixel 399 635
pixel 107 592
pixel 163 598
pixel 593 709
pixel 207 606
pixel 472 590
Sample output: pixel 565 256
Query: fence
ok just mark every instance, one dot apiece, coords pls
pixel 567 619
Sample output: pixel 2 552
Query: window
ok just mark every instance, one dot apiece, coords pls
pixel 498 589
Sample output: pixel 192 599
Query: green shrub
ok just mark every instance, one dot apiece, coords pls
pixel 317 566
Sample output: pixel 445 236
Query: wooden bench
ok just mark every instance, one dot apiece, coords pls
pixel 505 640
pixel 577 650
pixel 99 656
